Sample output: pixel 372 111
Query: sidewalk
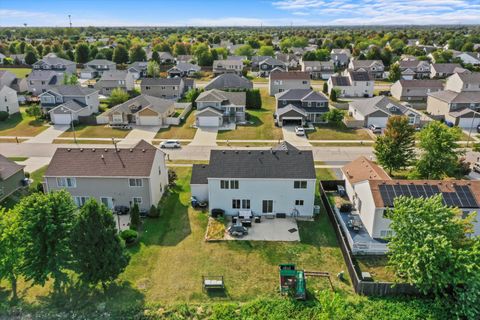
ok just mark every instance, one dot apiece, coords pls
pixel 49 135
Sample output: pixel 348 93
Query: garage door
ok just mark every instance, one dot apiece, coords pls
pixel 149 121
pixel 467 122
pixel 208 121
pixel 292 122
pixel 378 121
pixel 60 118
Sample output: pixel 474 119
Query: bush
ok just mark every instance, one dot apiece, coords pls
pixel 135 217
pixel 154 212
pixel 172 177
pixel 27 175
pixel 129 235
pixel 3 115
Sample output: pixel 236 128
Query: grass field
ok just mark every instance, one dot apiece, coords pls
pixel 183 131
pixel 19 159
pixel 263 127
pixel 19 72
pixel 22 125
pixel 377 266
pixel 341 132
pixel 96 131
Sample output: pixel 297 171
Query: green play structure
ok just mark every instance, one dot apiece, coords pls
pixel 292 281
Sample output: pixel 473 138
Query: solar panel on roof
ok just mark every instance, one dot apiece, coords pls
pixel 467 196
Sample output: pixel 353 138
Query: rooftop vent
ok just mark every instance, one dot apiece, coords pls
pixel 69 149
pixel 93 150
pixel 81 149
pixel 101 156
pixel 131 150
pixel 106 150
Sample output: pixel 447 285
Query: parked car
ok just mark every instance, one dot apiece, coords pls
pixel 299 131
pixel 198 204
pixel 375 128
pixel 173 144
pixel 237 230
pixel 120 210
pixel 476 167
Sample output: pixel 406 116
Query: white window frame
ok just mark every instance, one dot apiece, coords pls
pixel 269 208
pixel 135 200
pixel 80 200
pixel 136 183
pixel 299 202
pixel 66 182
pixel 109 201
pixel 236 204
pixel 302 184
pixel 234 184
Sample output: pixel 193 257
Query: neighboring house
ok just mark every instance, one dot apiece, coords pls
pixel 377 111
pixel 10 80
pixel 318 69
pixel 443 70
pixel 270 64
pixel 373 192
pixel 39 81
pixel 183 69
pixel 469 57
pixel 414 69
pixel 8 100
pixel 463 82
pixel 185 58
pixel 112 176
pixel 166 88
pixel 142 110
pixel 18 58
pixel 216 108
pixel 257 182
pixel 290 60
pixel 96 68
pixel 138 69
pixel 299 106
pixel 52 62
pixel 373 67
pixel 227 66
pixel 115 79
pixel 165 58
pixel 340 57
pixel 352 84
pixel 460 108
pixel 255 61
pixel 229 81
pixel 11 177
pixel 283 81
pixel 415 90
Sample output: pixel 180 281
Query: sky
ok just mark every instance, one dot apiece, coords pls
pixel 238 12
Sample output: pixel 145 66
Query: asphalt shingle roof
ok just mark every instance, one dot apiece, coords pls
pixel 8 168
pixel 229 81
pixel 214 95
pixel 301 94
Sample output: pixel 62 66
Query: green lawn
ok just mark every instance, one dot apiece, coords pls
pixel 19 159
pixel 95 131
pixel 183 131
pixel 19 72
pixel 377 266
pixel 325 174
pixel 22 125
pixel 263 127
pixel 340 132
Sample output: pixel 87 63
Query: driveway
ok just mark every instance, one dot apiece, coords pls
pixel 138 133
pixel 205 136
pixel 50 134
pixel 34 163
pixel 290 137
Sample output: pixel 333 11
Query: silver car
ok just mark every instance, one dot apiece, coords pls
pixel 173 144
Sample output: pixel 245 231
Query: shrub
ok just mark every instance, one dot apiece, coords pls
pixel 135 217
pixel 3 115
pixel 27 175
pixel 154 212
pixel 129 235
pixel 172 177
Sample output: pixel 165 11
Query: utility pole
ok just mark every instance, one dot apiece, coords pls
pixel 70 20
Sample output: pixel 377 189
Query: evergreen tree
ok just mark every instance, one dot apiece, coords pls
pixel 395 73
pixel 30 57
pixel 137 54
pixel 120 55
pixel 82 53
pixel 156 57
pixel 135 217
pixel 325 88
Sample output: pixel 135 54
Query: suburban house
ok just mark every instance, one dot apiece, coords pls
pixel 138 69
pixel 11 177
pixel 352 84
pixel 115 79
pixel 318 69
pixel 290 60
pixel 340 57
pixel 39 81
pixel 113 176
pixel 372 193
pixel 414 69
pixel 166 88
pixel 255 61
pixel 143 110
pixel 377 110
pixel 283 81
pixel 18 58
pixel 279 182
pixel 8 100
pixel 183 69
pixel 443 70
pixel 67 103
pixel 216 108
pixel 229 81
pixel 10 80
pixel 227 66
pixel 165 58
pixel 96 67
pixel 270 64
pixel 415 90
pixel 185 58
pixel 469 57
pixel 373 67
pixel 299 106
pixel 54 63
pixel 463 82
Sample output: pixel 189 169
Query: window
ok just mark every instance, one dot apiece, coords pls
pixel 304 82
pixel 135 182
pixel 137 200
pixel 299 202
pixel 411 119
pixel 107 202
pixel 159 170
pixel 245 204
pixel 223 184
pixel 66 182
pixel 386 233
pixel 236 203
pixel 299 184
pixel 233 184
pixel 267 206
pixel 80 201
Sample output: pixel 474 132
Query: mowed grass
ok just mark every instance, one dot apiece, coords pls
pixel 19 72
pixel 183 131
pixel 337 132
pixel 377 266
pixel 263 127
pixel 21 125
pixel 95 131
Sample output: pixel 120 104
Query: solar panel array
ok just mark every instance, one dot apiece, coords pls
pixel 462 197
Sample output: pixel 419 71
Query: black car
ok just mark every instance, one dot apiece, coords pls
pixel 121 210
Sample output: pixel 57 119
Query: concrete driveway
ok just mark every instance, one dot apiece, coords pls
pixel 34 163
pixel 138 133
pixel 205 136
pixel 290 136
pixel 50 134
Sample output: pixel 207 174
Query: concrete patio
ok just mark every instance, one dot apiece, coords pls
pixel 271 230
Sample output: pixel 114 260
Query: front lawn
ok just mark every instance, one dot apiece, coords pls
pixel 21 125
pixel 183 131
pixel 337 132
pixel 95 131
pixel 19 72
pixel 262 127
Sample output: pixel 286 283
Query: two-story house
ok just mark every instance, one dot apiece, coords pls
pixel 39 81
pixel 183 69
pixel 299 106
pixel 8 100
pixel 414 69
pixel 270 183
pixel 227 66
pixel 11 177
pixel 443 70
pixel 283 81
pixel 216 108
pixel 113 176
pixel 95 68
pixel 9 79
pixel 340 57
pixel 115 79
pixel 373 67
pixel 352 84
pixel 229 81
pixel 415 90
pixel 270 64
pixel 318 69
pixel 166 88
pixel 54 63
pixel 138 69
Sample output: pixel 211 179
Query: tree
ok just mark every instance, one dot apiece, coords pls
pixel 203 55
pixel 10 249
pixel 153 69
pixel 117 96
pixel 99 256
pixel 135 217
pixel 439 151
pixel 120 55
pixel 45 221
pixel 394 149
pixel 155 57
pixel 334 116
pixel 70 79
pixel 322 55
pixel 34 111
pixel 266 51
pixel 82 53
pixel 245 50
pixel 333 94
pixel 430 249
pixel 137 54
pixel 30 57
pixel 395 73
pixel 325 88
pixel 192 95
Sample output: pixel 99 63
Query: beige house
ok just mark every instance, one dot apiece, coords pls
pixel 352 84
pixel 111 80
pixel 443 70
pixel 283 81
pixel 373 67
pixel 415 90
pixel 463 82
pixel 8 100
pixel 227 66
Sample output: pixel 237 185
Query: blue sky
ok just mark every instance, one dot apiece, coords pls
pixel 238 13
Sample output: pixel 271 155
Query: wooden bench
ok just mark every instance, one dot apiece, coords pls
pixel 213 282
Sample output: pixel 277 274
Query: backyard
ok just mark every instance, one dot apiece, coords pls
pixel 337 132
pixel 21 125
pixel 95 131
pixel 19 72
pixel 183 131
